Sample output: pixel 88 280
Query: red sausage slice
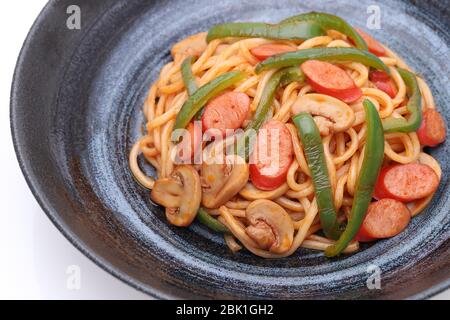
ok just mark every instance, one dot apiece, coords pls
pixel 386 86
pixel 406 182
pixel 272 156
pixel 362 236
pixel 384 219
pixel 226 111
pixel 383 82
pixel 377 75
pixel 265 51
pixel 432 131
pixel 326 78
pixel 374 46
pixel 185 152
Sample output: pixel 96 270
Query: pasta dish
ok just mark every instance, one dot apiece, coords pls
pixel 307 133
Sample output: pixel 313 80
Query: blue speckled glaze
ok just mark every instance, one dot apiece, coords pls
pixel 76 111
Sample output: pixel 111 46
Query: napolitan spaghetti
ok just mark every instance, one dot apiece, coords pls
pixel 328 151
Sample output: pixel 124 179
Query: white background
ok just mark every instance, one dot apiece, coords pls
pixel 34 256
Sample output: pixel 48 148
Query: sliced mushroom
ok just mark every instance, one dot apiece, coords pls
pixel 325 126
pixel 180 194
pixel 270 226
pixel 331 115
pixel 250 192
pixel 191 46
pixel 222 180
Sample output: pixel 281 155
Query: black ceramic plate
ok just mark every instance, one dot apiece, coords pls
pixel 76 110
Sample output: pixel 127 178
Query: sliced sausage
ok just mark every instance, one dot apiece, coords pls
pixel 383 82
pixel 265 51
pixel 384 219
pixel 377 75
pixel 326 78
pixel 226 111
pixel 432 131
pixel 362 236
pixel 374 46
pixel 191 143
pixel 406 182
pixel 272 156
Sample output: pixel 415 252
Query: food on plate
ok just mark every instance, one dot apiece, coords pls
pixel 308 133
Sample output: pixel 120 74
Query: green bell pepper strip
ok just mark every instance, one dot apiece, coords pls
pixel 414 107
pixel 373 159
pixel 329 21
pixel 189 81
pixel 312 143
pixel 281 77
pixel 188 77
pixel 323 54
pixel 302 30
pixel 292 74
pixel 200 97
pixel 204 218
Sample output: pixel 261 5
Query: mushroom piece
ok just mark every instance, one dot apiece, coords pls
pixel 330 114
pixel 270 226
pixel 180 194
pixel 250 192
pixel 191 46
pixel 222 179
pixel 324 125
